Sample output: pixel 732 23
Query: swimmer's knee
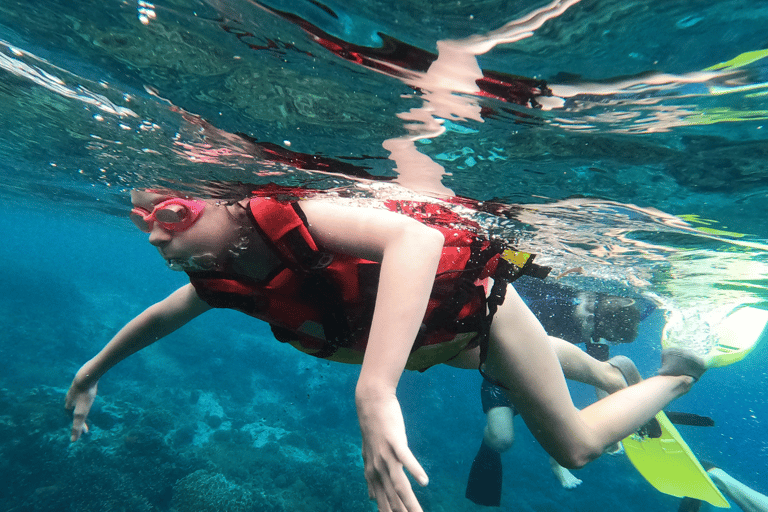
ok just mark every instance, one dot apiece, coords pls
pixel 499 440
pixel 499 444
pixel 577 455
pixel 499 434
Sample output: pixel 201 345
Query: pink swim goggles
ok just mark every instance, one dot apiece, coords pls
pixel 175 214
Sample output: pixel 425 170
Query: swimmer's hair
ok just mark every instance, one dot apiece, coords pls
pixel 223 190
pixel 234 191
pixel 161 191
pixel 617 318
pixel 228 190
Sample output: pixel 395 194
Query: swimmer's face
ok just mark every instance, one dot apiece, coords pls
pixel 617 319
pixel 202 237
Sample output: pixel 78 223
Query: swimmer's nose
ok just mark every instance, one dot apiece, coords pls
pixel 158 236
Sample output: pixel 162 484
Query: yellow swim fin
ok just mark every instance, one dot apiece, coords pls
pixel 669 465
pixel 736 336
pixel 666 461
pixel 740 60
pixel 731 340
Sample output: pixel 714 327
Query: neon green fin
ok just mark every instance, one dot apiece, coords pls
pixel 667 462
pixel 736 336
pixel 740 60
pixel 669 465
pixel 731 340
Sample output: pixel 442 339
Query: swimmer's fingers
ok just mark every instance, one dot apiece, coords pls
pixel 392 491
pixel 80 401
pixel 388 483
pixel 386 455
pixel 402 485
pixel 79 427
pixel 412 465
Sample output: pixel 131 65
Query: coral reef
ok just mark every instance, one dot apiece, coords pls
pixel 203 491
pixel 140 456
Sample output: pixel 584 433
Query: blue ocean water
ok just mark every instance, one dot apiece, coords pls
pixel 644 166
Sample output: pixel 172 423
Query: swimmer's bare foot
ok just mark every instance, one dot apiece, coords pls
pixel 565 477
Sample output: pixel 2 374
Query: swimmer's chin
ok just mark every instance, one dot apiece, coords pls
pixel 204 263
pixel 176 265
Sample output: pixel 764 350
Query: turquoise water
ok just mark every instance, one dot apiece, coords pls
pixel 645 167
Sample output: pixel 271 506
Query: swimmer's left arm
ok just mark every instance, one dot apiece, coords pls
pixel 409 253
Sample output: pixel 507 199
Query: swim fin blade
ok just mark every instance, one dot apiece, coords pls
pixel 484 483
pixel 669 465
pixel 736 336
pixel 732 339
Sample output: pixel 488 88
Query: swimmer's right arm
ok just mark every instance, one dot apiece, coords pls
pixel 154 323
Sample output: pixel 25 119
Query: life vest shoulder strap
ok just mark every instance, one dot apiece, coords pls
pixel 284 227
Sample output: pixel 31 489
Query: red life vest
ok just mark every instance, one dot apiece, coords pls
pixel 323 303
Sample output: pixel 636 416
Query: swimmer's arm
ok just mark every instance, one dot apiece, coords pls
pixel 409 253
pixel 152 324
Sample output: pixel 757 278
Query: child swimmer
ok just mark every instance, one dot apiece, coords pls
pixel 234 258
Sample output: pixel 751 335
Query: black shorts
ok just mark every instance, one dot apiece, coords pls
pixel 492 396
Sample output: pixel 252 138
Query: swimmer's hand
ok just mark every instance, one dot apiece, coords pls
pixel 80 399
pixel 386 453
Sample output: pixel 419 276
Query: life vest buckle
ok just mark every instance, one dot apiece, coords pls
pixel 324 259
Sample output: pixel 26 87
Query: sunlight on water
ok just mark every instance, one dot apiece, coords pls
pixel 14 61
pixel 141 139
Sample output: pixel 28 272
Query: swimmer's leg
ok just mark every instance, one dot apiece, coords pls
pixel 521 358
pixel 629 376
pixel 485 476
pixel 748 499
pixel 499 433
pixel 611 376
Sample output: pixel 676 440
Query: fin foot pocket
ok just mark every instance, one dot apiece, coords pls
pixel 678 361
